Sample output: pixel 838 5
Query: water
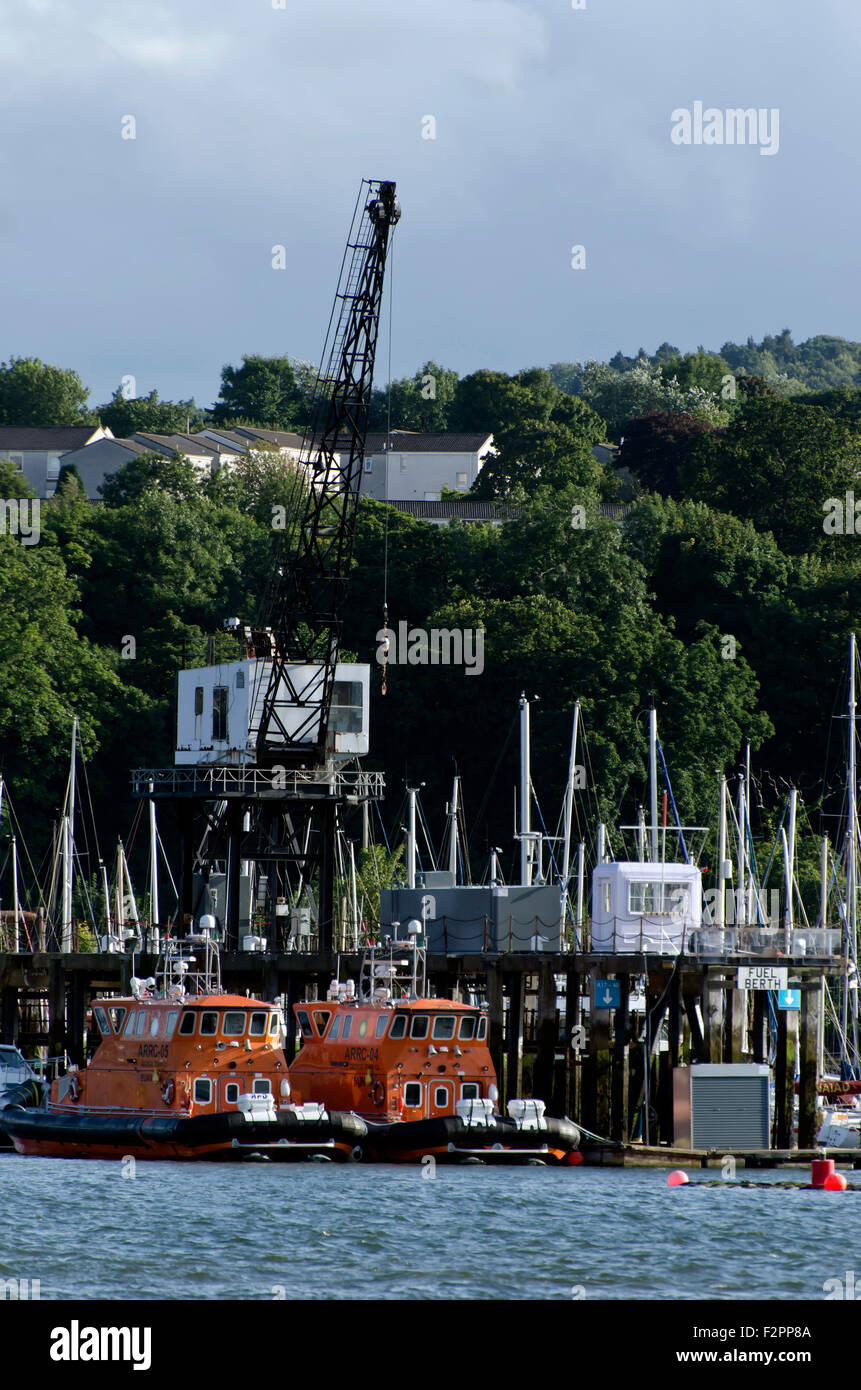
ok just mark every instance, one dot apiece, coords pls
pixel 260 1231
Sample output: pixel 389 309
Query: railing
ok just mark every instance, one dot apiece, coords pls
pixel 252 781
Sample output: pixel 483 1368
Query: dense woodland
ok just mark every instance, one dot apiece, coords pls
pixel 720 595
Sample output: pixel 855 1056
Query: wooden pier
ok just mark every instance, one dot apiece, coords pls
pixel 588 1066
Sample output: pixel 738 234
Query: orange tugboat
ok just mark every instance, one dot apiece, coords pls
pixel 182 1071
pixel 417 1070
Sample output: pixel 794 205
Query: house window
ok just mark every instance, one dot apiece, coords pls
pixel 53 471
pixel 403 464
pixel 462 480
pixel 369 465
pixel 18 460
pixel 219 714
pixel 240 680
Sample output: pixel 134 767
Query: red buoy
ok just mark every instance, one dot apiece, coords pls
pixel 677 1178
pixel 820 1169
pixel 835 1182
pixel 574 1158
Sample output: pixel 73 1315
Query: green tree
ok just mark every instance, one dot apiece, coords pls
pixel 264 390
pixel 776 465
pixel 126 416
pixel 36 394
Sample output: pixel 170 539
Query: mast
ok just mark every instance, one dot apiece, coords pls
pixel 741 895
pixel 153 864
pixel 851 848
pixel 569 808
pixel 525 782
pixel 411 838
pixel 653 780
pixel 790 868
pixel 15 908
pixel 720 914
pixel 452 843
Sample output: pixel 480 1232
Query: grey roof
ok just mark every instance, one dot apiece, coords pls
pixel 176 443
pixel 52 437
pixel 286 438
pixel 468 510
pixel 410 441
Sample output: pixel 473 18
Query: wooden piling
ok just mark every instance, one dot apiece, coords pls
pixel 514 1041
pixel 619 1080
pixel 547 1033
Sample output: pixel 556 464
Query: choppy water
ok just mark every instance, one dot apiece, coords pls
pixel 254 1231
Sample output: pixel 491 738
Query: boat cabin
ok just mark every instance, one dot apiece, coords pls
pixel 193 1056
pixel 412 1059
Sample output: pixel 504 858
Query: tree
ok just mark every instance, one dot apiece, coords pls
pixel 172 474
pixel 656 447
pixel 642 390
pixel 264 390
pixel 539 455
pixel 420 402
pixel 776 465
pixel 36 394
pixel 126 416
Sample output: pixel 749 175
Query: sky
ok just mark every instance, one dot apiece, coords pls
pixel 255 120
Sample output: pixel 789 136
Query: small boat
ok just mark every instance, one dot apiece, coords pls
pixel 418 1072
pixel 182 1071
pixel 19 1085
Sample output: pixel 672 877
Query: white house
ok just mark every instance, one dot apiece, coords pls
pixel 37 453
pixel 418 466
pixel 645 907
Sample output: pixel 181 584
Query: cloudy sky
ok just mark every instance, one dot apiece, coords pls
pixel 253 125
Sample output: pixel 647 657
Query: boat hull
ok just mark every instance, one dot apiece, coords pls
pixel 223 1136
pixel 448 1139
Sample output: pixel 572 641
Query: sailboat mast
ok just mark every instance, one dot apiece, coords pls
pixel 153 863
pixel 569 808
pixel 653 780
pixel 851 848
pixel 452 843
pixel 15 908
pixel 525 807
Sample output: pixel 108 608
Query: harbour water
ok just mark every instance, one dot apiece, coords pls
pixel 89 1230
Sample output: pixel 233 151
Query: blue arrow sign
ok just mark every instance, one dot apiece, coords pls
pixel 789 998
pixel 608 994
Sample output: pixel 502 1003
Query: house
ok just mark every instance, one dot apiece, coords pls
pixel 37 452
pixel 406 466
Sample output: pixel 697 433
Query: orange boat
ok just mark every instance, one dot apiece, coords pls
pixel 418 1071
pixel 182 1071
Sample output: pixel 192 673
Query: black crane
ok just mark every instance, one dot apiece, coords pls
pixel 306 594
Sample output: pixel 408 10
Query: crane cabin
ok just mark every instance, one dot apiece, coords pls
pixel 219 710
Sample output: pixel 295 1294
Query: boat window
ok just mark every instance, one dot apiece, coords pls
pixel 257 1026
pixel 412 1093
pixel 187 1022
pixel 262 1086
pixel 130 1025
pixel 381 1025
pixel 443 1026
pixel 154 1026
pixel 231 1092
pixel 170 1022
pixel 102 1020
pixel 219 713
pixel 273 1024
pixel 117 1015
pixel 466 1031
pixel 419 1026
pixel 321 1019
pixel 440 1097
pixel 305 1024
pixel 469 1090
pixel 202 1091
pixel 399 1026
pixel 348 1027
pixel 481 1032
pixel 139 1024
pixel 234 1023
pixel 208 1024
pixel 335 1029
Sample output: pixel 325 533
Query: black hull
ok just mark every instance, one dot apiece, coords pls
pixel 220 1136
pixel 448 1139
